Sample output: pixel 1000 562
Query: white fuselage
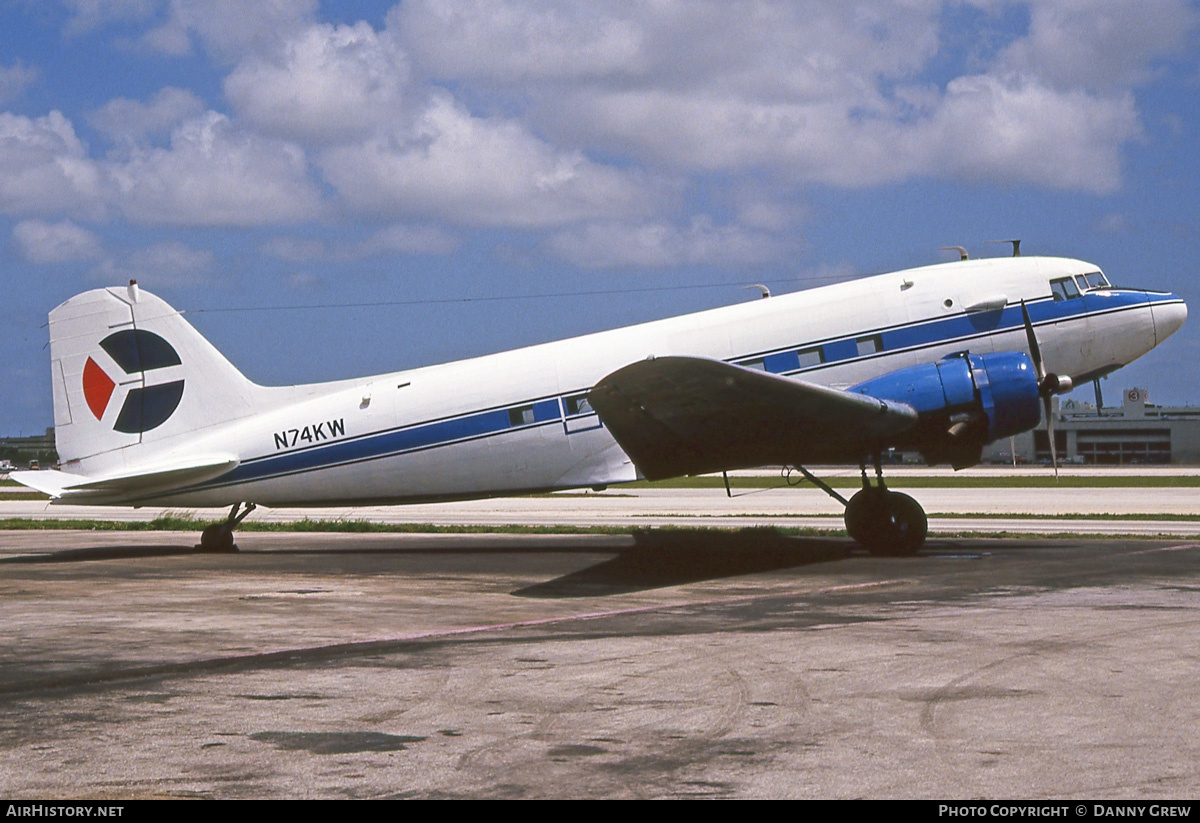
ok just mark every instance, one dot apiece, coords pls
pixel 517 421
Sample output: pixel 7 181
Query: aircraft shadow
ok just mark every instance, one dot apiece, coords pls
pixel 670 558
pixel 638 562
pixel 99 553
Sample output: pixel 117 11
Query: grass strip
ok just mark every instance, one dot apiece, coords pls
pixel 1104 517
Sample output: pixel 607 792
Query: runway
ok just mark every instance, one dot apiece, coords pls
pixel 663 664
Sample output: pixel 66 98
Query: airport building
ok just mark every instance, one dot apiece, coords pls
pixel 1136 432
pixel 21 452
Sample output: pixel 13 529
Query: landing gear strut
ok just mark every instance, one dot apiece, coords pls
pixel 884 522
pixel 219 536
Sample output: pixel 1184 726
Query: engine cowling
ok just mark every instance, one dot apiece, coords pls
pixel 963 402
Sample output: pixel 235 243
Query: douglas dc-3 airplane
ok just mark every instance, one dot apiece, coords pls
pixel 941 359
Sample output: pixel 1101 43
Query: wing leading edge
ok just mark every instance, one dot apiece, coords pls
pixel 687 415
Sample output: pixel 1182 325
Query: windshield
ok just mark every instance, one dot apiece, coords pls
pixel 1091 280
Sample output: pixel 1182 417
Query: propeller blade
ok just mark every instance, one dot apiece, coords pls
pixel 1049 384
pixel 1035 351
pixel 1050 434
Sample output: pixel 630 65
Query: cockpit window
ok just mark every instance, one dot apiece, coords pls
pixel 1096 280
pixel 1064 289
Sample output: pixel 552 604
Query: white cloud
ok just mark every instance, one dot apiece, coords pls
pixel 126 120
pixel 211 173
pixel 85 15
pixel 214 173
pixel 64 242
pixel 294 249
pixel 516 43
pixel 168 263
pixel 1013 130
pixel 329 83
pixel 659 245
pixel 230 29
pixel 303 280
pixel 397 239
pixel 407 239
pixel 813 91
pixel 484 171
pixel 45 168
pixel 1081 44
pixel 592 120
pixel 15 79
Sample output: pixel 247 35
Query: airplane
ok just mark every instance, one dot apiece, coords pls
pixel 940 359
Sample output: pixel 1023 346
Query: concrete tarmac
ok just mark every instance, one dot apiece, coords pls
pixel 664 664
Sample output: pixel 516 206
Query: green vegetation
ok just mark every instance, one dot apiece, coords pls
pixel 174 522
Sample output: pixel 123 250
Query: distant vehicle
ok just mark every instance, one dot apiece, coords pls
pixel 34 465
pixel 938 360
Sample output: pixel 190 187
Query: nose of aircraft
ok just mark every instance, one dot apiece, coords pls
pixel 1169 312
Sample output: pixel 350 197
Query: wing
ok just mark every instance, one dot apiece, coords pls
pixel 687 415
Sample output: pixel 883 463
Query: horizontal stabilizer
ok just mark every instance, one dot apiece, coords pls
pixel 128 485
pixel 53 483
pixel 687 415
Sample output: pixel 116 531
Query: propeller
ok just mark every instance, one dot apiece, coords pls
pixel 1049 383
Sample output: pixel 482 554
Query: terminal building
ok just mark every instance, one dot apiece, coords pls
pixel 1136 432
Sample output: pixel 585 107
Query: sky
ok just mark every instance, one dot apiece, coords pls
pixel 331 190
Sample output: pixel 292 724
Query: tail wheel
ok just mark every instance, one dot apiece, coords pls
pixel 886 523
pixel 217 538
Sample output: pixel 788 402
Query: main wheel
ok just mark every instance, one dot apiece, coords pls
pixel 864 510
pixel 886 523
pixel 217 538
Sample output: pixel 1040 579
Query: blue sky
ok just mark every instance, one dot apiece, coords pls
pixel 333 190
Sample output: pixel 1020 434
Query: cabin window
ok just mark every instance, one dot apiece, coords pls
pixel 869 345
pixel 577 404
pixel 1064 289
pixel 811 357
pixel 520 416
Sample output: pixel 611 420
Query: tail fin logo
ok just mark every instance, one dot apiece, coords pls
pixel 134 351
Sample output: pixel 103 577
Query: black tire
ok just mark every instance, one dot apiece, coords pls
pixel 886 523
pixel 217 538
pixel 863 512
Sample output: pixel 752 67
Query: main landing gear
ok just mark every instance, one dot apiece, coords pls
pixel 219 536
pixel 884 522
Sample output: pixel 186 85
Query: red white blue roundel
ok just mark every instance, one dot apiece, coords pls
pixel 147 407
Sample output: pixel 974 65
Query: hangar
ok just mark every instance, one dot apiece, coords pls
pixel 1136 432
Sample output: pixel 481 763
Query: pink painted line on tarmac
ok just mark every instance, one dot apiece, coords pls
pixel 661 607
pixel 1178 548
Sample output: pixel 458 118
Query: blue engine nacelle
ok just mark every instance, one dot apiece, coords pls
pixel 963 402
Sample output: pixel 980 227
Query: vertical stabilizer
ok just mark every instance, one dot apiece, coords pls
pixel 133 378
